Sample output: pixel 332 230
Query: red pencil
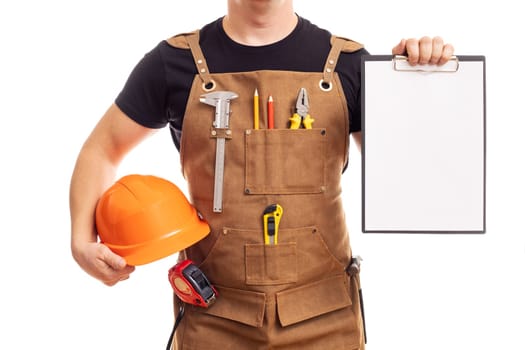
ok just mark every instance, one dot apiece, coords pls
pixel 270 112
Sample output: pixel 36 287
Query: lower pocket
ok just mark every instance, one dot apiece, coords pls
pixel 238 305
pixel 234 321
pixel 312 300
pixel 271 264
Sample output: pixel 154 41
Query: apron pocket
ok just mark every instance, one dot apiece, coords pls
pixel 271 264
pixel 284 161
pixel 314 299
pixel 242 306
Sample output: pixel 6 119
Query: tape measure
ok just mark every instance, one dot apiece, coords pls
pixel 191 285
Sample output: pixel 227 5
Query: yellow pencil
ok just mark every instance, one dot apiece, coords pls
pixel 256 109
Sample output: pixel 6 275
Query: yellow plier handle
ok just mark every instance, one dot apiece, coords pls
pixel 296 120
pixel 308 121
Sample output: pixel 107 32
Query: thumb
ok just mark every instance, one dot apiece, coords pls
pixel 115 261
pixel 400 49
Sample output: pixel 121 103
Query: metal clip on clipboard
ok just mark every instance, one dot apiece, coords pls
pixel 400 64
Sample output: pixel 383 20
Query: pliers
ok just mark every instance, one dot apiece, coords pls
pixel 301 115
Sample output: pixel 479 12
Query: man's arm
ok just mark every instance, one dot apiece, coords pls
pixel 112 138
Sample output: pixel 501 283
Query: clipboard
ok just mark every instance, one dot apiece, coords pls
pixel 423 146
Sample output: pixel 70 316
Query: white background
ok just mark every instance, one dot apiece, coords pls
pixel 63 63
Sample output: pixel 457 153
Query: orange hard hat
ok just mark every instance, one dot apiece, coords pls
pixel 144 218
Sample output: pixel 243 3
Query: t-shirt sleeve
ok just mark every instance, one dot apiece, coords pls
pixel 143 97
pixel 349 67
pixel 355 119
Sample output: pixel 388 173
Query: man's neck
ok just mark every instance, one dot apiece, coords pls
pixel 257 23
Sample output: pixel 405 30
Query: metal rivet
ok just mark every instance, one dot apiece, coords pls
pixel 225 231
pixel 248 132
pixel 199 61
pixel 323 132
pixel 213 132
pixel 228 132
pixel 331 61
pixel 247 191
pixel 323 188
pixel 203 70
pixel 328 70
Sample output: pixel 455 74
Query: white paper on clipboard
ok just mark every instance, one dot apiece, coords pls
pixel 424 148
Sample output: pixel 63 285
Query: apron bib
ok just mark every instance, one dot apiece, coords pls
pixel 294 294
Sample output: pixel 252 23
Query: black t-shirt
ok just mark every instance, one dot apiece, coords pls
pixel 157 90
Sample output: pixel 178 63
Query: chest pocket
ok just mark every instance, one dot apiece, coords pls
pixel 285 161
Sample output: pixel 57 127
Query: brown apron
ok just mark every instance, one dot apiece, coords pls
pixel 294 294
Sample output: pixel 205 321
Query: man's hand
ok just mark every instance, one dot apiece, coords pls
pixel 100 262
pixel 425 50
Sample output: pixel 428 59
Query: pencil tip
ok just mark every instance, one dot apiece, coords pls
pixel 270 98
pixel 256 92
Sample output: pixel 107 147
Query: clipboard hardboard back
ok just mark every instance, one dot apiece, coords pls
pixel 424 146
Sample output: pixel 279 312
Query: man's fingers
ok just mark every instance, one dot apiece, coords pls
pixel 113 281
pixel 412 50
pixel 112 277
pixel 437 50
pixel 425 50
pixel 116 267
pixel 428 50
pixel 113 260
pixel 399 49
pixel 448 52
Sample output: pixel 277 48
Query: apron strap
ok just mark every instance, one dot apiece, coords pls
pixel 208 84
pixel 329 67
pixel 200 62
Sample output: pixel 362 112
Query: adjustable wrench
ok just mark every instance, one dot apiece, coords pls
pixel 221 101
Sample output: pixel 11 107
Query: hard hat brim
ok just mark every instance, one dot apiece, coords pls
pixel 164 246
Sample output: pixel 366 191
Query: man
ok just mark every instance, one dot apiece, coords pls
pixel 292 294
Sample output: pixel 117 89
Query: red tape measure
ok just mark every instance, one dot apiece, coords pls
pixel 191 285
